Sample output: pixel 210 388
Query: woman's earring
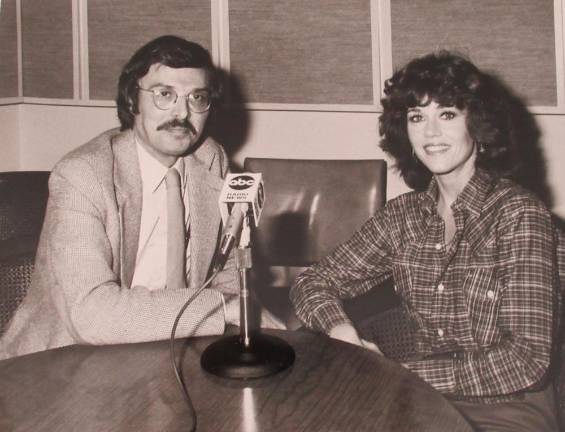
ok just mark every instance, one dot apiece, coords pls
pixel 480 147
pixel 416 160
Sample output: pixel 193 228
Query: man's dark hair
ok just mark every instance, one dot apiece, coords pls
pixel 171 51
pixel 452 80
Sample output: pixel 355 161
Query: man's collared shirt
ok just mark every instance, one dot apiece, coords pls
pixel 490 296
pixel 151 263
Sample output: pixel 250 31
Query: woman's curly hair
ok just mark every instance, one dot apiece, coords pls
pixel 497 121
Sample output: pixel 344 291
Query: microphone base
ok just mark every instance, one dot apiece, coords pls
pixel 229 358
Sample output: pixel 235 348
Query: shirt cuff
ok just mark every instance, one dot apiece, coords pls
pixel 328 315
pixel 224 305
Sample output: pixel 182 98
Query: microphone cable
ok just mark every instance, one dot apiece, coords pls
pixel 178 377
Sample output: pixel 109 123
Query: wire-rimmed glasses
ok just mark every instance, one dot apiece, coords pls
pixel 165 98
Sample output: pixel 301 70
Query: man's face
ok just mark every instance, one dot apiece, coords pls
pixel 168 134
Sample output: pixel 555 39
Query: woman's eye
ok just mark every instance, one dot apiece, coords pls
pixel 414 118
pixel 448 115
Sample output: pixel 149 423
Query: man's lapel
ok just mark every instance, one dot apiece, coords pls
pixel 203 192
pixel 127 181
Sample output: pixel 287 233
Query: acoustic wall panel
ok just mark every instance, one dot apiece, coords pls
pixel 117 28
pixel 302 52
pixel 8 49
pixel 514 38
pixel 47 48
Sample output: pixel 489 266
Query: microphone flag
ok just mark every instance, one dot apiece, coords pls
pixel 242 188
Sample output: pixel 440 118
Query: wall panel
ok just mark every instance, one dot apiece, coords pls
pixel 116 28
pixel 297 52
pixel 8 49
pixel 10 137
pixel 47 48
pixel 515 38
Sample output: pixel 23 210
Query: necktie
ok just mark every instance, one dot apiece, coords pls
pixel 176 248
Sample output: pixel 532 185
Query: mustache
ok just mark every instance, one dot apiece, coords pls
pixel 176 123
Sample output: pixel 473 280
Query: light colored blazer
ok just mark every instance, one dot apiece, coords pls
pixel 80 291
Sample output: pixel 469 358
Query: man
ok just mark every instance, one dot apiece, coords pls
pixel 106 269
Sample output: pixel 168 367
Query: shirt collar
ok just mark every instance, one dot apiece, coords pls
pixel 472 197
pixel 474 194
pixel 153 172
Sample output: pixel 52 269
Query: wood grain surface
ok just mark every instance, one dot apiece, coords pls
pixel 333 386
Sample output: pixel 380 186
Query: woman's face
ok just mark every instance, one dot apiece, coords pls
pixel 440 139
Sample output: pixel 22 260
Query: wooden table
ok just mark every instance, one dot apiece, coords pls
pixel 333 386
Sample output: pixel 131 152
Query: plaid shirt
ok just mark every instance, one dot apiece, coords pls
pixel 485 305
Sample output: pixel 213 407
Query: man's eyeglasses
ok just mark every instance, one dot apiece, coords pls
pixel 165 98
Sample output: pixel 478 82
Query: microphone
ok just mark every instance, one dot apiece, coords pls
pixel 245 355
pixel 231 233
pixel 242 196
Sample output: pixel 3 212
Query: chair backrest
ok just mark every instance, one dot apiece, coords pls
pixel 23 198
pixel 313 205
pixel 310 207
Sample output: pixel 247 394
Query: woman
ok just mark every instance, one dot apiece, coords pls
pixel 472 253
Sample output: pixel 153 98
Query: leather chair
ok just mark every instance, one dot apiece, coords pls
pixel 23 198
pixel 311 206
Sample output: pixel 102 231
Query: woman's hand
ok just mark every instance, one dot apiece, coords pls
pixel 347 333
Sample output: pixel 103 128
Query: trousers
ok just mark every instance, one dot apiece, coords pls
pixel 537 412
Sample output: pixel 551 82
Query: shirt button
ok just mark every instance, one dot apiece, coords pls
pixel 440 288
pixel 440 332
pixel 490 294
pixel 438 246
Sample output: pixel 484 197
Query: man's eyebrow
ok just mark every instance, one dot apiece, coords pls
pixel 160 84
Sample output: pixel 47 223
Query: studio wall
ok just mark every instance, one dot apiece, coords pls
pixel 307 77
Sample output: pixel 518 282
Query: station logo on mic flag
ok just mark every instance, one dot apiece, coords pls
pixel 242 188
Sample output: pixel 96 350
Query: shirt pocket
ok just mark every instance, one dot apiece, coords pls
pixel 483 294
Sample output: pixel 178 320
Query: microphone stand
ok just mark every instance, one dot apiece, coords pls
pixel 246 356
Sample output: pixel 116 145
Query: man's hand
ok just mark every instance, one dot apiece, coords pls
pixel 232 309
pixel 347 333
pixel 268 320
